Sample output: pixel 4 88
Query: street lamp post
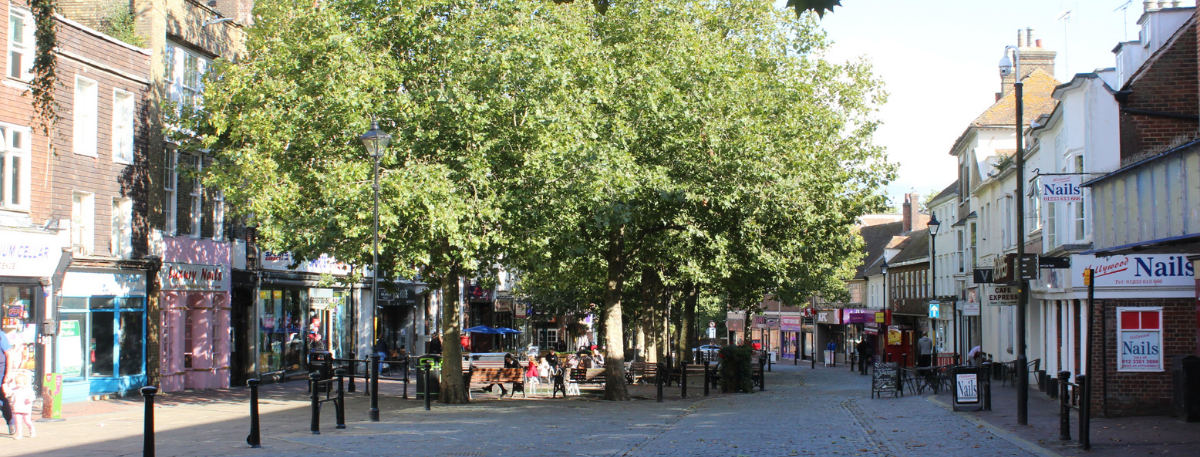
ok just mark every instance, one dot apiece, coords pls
pixel 883 269
pixel 376 141
pixel 934 225
pixel 1007 67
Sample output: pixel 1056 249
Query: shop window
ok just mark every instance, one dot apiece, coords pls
pixel 101 337
pixel 16 306
pixel 131 344
pixel 281 330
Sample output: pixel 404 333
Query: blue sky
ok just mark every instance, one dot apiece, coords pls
pixel 938 60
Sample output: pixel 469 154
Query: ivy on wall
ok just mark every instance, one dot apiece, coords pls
pixel 45 75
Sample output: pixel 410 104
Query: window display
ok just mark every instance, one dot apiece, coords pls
pixel 282 332
pixel 19 322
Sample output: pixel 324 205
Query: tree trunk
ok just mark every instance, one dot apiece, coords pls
pixel 614 363
pixel 453 391
pixel 664 329
pixel 689 322
pixel 676 317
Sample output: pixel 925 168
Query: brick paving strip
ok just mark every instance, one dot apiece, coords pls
pixel 804 412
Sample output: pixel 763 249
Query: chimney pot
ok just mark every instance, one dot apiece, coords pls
pixel 1148 5
pixel 1029 36
pixel 1039 42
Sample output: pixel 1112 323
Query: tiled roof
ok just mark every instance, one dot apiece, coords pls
pixel 875 239
pixel 916 248
pixel 1038 88
pixel 952 189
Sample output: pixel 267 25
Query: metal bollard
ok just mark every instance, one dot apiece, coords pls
pixel 706 378
pixel 341 399
pixel 428 368
pixel 852 361
pixel 987 387
pixel 148 393
pixel 814 359
pixel 353 370
pixel 1085 412
pixel 1064 411
pixel 658 380
pixel 769 359
pixel 313 379
pixel 683 379
pixel 762 377
pixel 255 438
pixel 374 413
pixel 405 370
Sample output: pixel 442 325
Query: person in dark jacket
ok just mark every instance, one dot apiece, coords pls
pixel 864 356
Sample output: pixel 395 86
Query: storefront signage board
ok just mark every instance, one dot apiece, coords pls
pixel 504 304
pixel 830 317
pixel 28 254
pixel 735 325
pixel 186 276
pixel 969 308
pixel 520 310
pixel 87 283
pixel 325 264
pixel 966 389
pixel 1139 339
pixel 790 324
pixel 1146 270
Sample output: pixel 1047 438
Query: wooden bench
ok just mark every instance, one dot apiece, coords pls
pixel 587 375
pixel 483 374
pixel 642 371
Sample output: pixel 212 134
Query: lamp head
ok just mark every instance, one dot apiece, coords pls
pixel 934 225
pixel 375 140
pixel 883 268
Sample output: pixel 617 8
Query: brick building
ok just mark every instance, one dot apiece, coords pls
pixel 1147 227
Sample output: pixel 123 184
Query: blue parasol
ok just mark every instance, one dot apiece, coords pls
pixel 508 331
pixel 483 329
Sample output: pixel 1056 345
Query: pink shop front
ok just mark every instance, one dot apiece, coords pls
pixel 194 308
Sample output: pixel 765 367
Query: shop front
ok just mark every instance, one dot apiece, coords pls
pixel 28 265
pixel 301 312
pixel 830 329
pixel 195 312
pixel 101 341
pixel 791 327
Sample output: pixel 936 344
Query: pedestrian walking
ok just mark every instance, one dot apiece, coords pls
pixel 5 406
pixel 864 356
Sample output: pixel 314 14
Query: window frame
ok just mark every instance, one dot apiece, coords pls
pixel 185 71
pixel 121 228
pixel 218 215
pixel 85 111
pixel 83 222
pixel 196 203
pixel 171 192
pixel 123 134
pixel 19 155
pixel 26 49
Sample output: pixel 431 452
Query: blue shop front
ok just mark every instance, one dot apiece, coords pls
pixel 101 341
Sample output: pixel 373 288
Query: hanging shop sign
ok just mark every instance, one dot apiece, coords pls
pixel 969 308
pixel 829 316
pixel 28 254
pixel 520 310
pixel 1147 270
pixel 1002 295
pixel 790 324
pixel 186 276
pixel 735 325
pixel 1061 188
pixel 1139 339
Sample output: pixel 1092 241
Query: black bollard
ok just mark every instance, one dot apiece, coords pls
pixel 404 368
pixel 313 379
pixel 1085 412
pixel 683 378
pixel 1064 409
pixel 769 361
pixel 986 383
pixel 374 414
pixel 341 399
pixel 852 361
pixel 254 439
pixel 353 370
pixel 814 359
pixel 148 393
pixel 428 368
pixel 706 378
pixel 658 380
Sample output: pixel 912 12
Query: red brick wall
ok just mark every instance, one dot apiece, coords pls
pixel 1169 85
pixel 1139 394
pixel 112 66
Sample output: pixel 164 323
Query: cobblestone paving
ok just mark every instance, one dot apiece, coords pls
pixel 803 412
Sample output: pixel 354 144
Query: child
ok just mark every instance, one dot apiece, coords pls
pixel 21 397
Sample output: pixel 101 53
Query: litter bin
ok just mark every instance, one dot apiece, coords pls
pixel 321 362
pixel 1186 374
pixel 434 376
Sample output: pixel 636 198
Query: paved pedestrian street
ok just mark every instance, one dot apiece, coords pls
pixel 804 411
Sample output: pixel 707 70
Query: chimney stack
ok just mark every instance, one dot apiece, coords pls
pixel 1033 57
pixel 1029 36
pixel 907 213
